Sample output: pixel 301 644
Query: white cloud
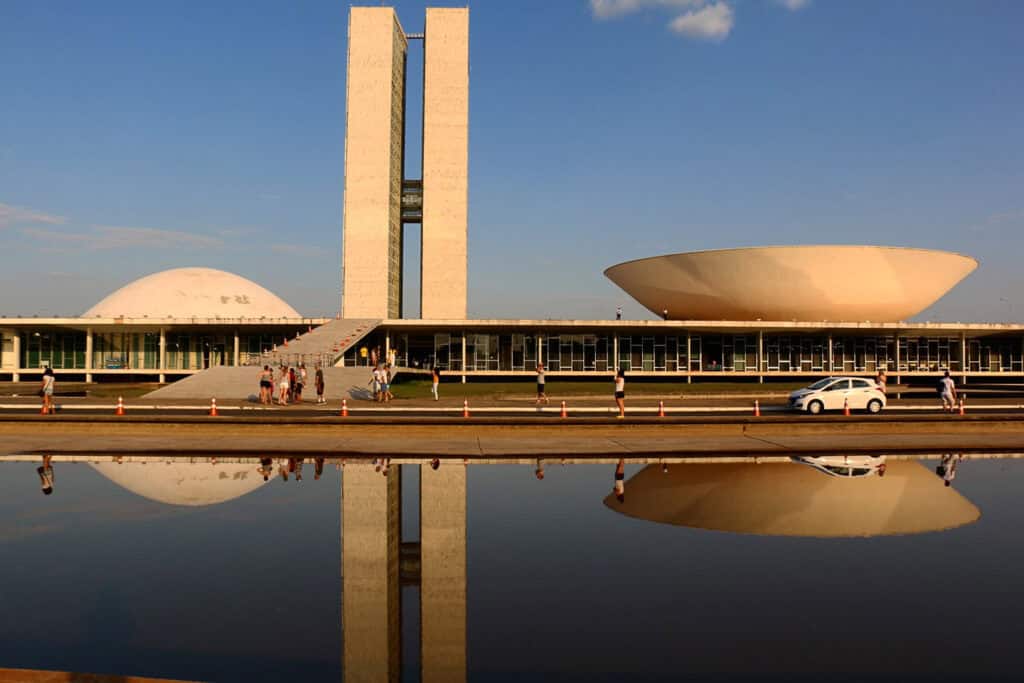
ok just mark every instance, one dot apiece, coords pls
pixel 609 9
pixel 702 19
pixel 711 22
pixel 9 215
pixel 111 237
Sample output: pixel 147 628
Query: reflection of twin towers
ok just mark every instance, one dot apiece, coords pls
pixel 371 534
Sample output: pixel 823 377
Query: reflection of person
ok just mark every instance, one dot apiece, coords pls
pixel 539 472
pixel 266 468
pixel 318 468
pixel 620 481
pixel 947 391
pixel 620 392
pixel 947 470
pixel 46 476
pixel 618 313
pixel 435 463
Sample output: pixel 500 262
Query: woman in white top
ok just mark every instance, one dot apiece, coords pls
pixel 282 385
pixel 620 391
pixel 47 391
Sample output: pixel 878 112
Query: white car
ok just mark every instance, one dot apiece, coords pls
pixel 844 465
pixel 832 393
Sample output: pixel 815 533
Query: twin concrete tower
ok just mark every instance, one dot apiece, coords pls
pixel 379 198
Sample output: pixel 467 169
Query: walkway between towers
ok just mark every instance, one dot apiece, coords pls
pixel 321 347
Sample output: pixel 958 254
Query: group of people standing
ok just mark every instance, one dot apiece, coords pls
pixel 380 381
pixel 289 384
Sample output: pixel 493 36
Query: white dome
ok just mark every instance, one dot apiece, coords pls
pixel 192 293
pixel 184 483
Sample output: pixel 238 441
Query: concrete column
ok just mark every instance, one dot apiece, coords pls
pixel 88 354
pixel 16 376
pixel 615 351
pixel 540 348
pixel 387 347
pixel 443 573
pixel 963 357
pixel 238 352
pixel 689 376
pixel 463 357
pixel 760 356
pixel 370 540
pixel 896 345
pixel 163 355
pixel 830 363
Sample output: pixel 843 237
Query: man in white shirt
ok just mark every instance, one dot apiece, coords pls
pixel 947 390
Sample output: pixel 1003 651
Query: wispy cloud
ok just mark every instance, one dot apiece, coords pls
pixel 112 237
pixel 298 250
pixel 698 19
pixel 9 215
pixel 711 22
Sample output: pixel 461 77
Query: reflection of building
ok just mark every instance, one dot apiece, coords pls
pixel 371 554
pixel 785 499
pixel 183 483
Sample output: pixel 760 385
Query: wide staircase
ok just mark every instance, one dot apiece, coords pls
pixel 321 347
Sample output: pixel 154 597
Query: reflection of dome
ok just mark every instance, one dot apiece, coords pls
pixel 787 499
pixel 192 293
pixel 184 483
pixel 809 283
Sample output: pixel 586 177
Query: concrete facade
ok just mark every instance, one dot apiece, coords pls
pixel 445 164
pixel 374 139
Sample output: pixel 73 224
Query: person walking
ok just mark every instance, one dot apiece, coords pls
pixel 881 380
pixel 947 392
pixel 620 391
pixel 300 381
pixel 541 395
pixel 46 390
pixel 282 387
pixel 435 379
pixel 375 382
pixel 319 380
pixel 387 383
pixel 618 313
pixel 266 385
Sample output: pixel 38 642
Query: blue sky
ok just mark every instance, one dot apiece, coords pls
pixel 141 136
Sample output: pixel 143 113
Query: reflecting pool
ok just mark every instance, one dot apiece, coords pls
pixel 231 569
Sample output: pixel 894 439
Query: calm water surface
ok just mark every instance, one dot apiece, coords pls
pixel 705 568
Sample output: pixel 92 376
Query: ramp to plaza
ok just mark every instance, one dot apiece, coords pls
pixel 321 347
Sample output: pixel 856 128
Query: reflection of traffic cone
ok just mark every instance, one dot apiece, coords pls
pixel 120 406
pixel 661 409
pixel 846 406
pixel 564 414
pixel 961 405
pixel 213 407
pixel 465 407
pixel 344 407
pixel 757 408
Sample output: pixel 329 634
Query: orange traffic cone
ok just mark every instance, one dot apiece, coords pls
pixel 120 406
pixel 846 406
pixel 564 413
pixel 661 409
pixel 757 408
pixel 961 405
pixel 465 407
pixel 344 407
pixel 42 410
pixel 213 407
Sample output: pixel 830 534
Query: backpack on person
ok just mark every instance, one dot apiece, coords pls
pixel 940 388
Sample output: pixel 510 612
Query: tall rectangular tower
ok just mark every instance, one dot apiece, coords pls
pixel 374 137
pixel 444 263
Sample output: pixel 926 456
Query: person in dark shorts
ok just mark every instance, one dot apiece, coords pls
pixel 266 385
pixel 620 391
pixel 320 386
pixel 541 396
pixel 300 381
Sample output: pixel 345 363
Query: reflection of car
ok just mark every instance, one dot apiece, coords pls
pixel 832 393
pixel 844 465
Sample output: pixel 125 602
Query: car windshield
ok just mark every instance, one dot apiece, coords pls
pixel 841 471
pixel 820 384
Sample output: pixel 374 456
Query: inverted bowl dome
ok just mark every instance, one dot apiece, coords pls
pixel 806 283
pixel 192 293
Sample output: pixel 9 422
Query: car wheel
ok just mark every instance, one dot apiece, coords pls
pixel 815 407
pixel 874 406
